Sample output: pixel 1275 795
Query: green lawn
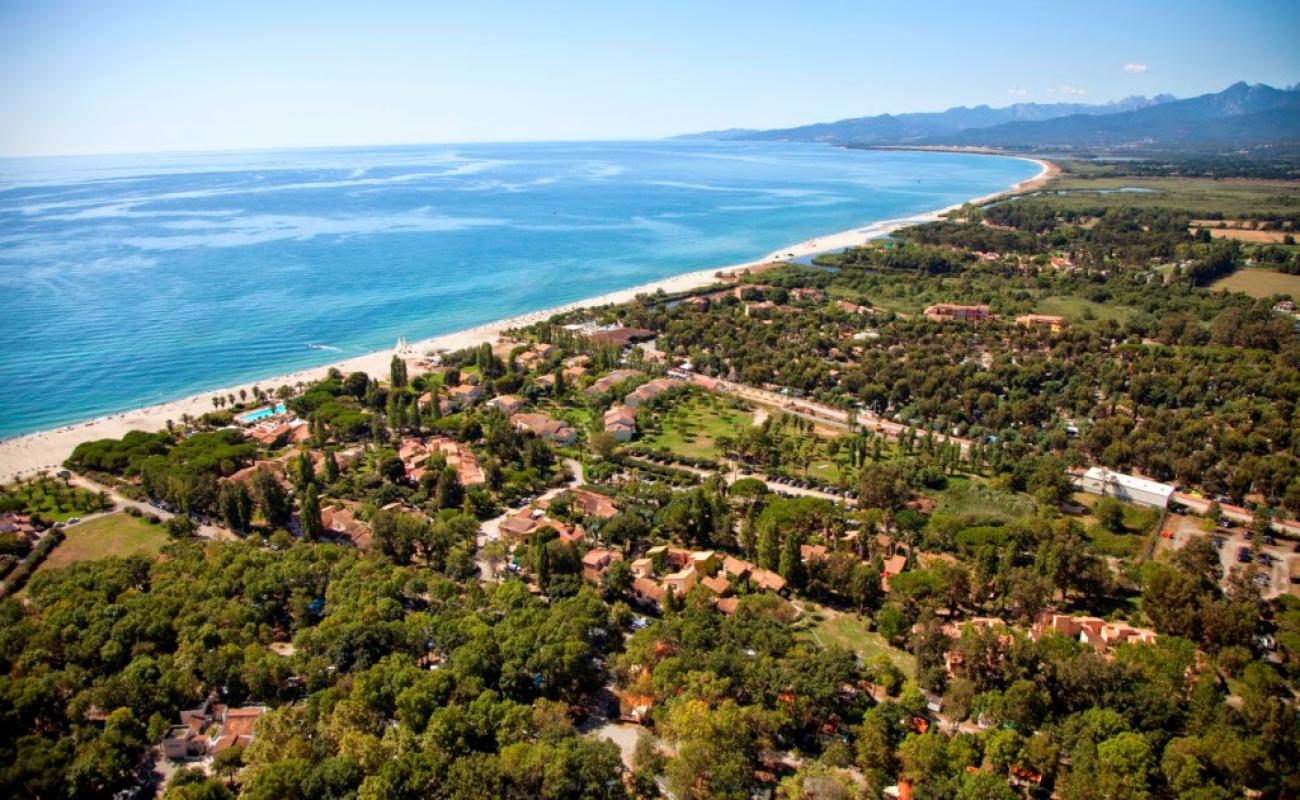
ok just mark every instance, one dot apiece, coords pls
pixel 115 534
pixel 1260 283
pixel 1077 309
pixel 691 428
pixel 847 631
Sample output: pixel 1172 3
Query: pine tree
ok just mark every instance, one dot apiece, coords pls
pixel 397 372
pixel 309 514
pixel 330 468
pixel 791 567
pixel 769 547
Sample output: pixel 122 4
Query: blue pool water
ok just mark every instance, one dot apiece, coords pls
pixel 130 280
pixel 262 413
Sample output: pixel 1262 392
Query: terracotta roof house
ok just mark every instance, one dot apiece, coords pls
pixel 728 605
pixel 596 561
pixel 681 581
pixel 620 422
pixel 643 568
pixel 735 567
pixel 465 395
pixel 894 565
pixel 594 504
pixel 509 403
pixel 341 521
pixel 717 584
pixel 946 312
pixel 768 580
pixel 648 391
pixel 604 384
pixel 813 552
pixel 545 427
pixel 647 592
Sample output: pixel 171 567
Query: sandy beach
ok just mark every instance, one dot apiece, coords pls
pixel 45 450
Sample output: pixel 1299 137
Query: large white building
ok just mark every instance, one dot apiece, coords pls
pixel 1128 488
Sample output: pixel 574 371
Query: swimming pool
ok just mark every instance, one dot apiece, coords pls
pixel 262 413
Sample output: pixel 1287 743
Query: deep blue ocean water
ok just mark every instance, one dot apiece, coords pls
pixel 131 280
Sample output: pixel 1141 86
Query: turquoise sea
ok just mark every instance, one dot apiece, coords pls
pixel 131 280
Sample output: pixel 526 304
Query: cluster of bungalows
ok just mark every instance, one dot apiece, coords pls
pixel 210 730
pixel 457 398
pixel 535 356
pixel 949 312
pixel 545 426
pixel 520 526
pixel 1129 488
pixel 1103 636
pixel 415 455
pixel 1096 632
pixel 620 421
pixel 665 570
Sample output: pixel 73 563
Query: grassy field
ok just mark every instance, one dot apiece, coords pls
pixel 847 631
pixel 976 497
pixel 1260 283
pixel 1077 309
pixel 1232 198
pixel 112 535
pixel 691 428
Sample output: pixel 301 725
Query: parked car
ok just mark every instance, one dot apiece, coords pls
pixel 1243 555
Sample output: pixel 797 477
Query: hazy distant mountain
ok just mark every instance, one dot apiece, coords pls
pixel 1240 116
pixel 910 128
pixel 729 133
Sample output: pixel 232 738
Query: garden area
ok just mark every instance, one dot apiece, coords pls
pixel 49 499
pixel 693 427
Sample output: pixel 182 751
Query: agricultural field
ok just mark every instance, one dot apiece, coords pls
pixel 112 535
pixel 1230 198
pixel 691 428
pixel 1260 283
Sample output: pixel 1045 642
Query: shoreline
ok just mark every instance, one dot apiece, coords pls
pixel 45 450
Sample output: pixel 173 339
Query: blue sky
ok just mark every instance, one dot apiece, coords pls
pixel 136 76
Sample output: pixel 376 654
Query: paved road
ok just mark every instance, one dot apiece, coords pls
pixel 1238 514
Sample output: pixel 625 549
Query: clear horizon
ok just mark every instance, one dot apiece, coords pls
pixel 142 77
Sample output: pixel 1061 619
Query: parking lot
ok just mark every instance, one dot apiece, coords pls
pixel 1275 558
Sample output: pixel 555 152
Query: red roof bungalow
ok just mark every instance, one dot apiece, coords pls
pixel 594 504
pixel 545 427
pixel 596 561
pixel 648 593
pixel 893 566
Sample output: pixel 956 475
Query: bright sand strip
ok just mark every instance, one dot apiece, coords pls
pixel 46 450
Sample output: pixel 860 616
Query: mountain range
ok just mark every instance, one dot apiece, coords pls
pixel 1240 116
